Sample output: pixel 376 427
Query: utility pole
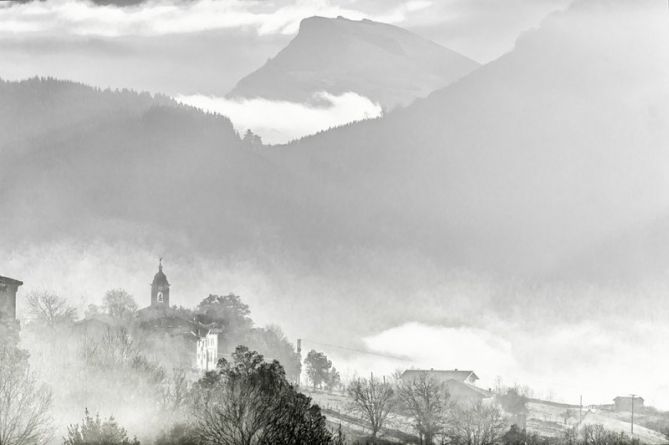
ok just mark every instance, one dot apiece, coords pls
pixel 632 422
pixel 580 411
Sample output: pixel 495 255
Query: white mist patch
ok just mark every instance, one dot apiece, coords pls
pixel 441 347
pixel 561 361
pixel 279 122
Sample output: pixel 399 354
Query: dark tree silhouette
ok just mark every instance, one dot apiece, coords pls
pixel 318 368
pixel 251 139
pixel 518 436
pixel 226 312
pixel 249 401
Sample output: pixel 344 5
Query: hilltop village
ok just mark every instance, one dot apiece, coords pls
pixel 155 355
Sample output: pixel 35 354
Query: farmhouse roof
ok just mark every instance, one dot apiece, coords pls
pixel 454 374
pixel 461 390
pixel 628 398
pixel 6 280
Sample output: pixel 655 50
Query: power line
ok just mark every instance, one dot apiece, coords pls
pixel 360 351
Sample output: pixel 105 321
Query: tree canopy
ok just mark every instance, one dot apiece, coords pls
pixel 227 312
pixel 249 401
pixel 318 368
pixel 119 304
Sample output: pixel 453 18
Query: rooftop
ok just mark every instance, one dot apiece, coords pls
pixel 449 374
pixel 629 398
pixel 6 280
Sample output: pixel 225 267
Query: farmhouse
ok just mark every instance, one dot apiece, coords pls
pixel 628 403
pixel 468 377
pixel 459 384
pixel 8 289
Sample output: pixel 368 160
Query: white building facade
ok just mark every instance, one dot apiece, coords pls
pixel 207 352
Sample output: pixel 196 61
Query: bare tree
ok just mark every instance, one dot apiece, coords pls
pixel 424 400
pixel 174 390
pixel 24 405
pixel 49 309
pixel 479 424
pixel 598 435
pixel 373 399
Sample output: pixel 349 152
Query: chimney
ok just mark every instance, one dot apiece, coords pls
pixel 299 346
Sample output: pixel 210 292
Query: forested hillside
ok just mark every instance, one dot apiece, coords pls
pixel 74 155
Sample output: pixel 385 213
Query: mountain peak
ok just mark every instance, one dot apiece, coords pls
pixel 382 62
pixel 309 23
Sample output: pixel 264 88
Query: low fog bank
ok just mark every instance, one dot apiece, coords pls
pixel 279 122
pixel 380 311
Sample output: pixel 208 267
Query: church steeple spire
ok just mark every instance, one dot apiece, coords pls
pixel 160 287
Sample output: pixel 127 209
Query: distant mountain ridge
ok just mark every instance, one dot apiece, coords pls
pixel 522 165
pixel 384 63
pixel 40 106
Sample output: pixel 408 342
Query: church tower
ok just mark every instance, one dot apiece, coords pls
pixel 160 288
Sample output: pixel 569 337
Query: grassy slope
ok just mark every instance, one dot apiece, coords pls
pixel 544 418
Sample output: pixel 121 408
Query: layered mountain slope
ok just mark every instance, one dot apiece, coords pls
pixel 40 106
pixel 75 161
pixel 382 62
pixel 554 148
pixel 550 150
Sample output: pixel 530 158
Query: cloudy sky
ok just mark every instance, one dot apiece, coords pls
pixel 480 29
pixel 198 50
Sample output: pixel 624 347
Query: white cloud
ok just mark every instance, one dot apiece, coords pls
pixel 281 121
pixel 444 347
pixel 598 359
pixel 440 347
